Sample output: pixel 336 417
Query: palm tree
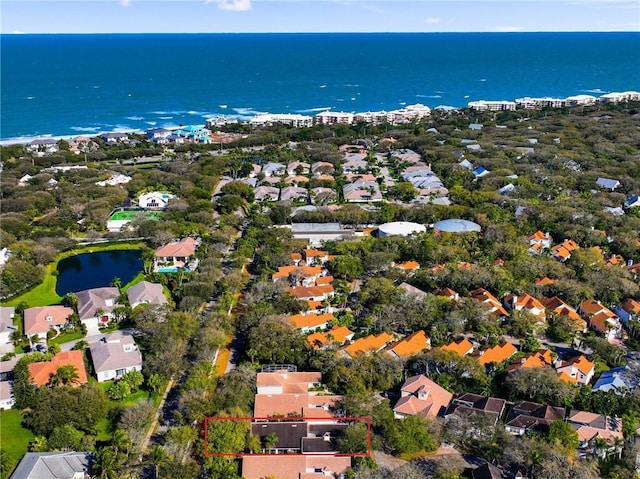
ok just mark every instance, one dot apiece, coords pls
pixel 147 260
pixel 105 465
pixel 157 457
pixel 66 374
pixel 71 300
pixel 116 282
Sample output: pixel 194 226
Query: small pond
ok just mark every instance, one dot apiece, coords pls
pixel 95 270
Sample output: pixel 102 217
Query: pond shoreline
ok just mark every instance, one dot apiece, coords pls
pixel 44 294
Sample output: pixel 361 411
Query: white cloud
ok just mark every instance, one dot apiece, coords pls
pixel 232 5
pixel 125 3
pixel 432 20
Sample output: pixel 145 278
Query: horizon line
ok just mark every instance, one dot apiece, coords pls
pixel 18 33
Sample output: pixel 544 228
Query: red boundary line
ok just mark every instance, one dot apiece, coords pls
pixel 284 419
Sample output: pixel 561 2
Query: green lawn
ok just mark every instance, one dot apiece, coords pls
pixel 104 429
pixel 45 294
pixel 66 337
pixel 13 437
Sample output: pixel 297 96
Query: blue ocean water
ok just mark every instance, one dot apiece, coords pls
pixel 85 84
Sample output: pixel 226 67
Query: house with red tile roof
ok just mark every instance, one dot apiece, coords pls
pixel 40 320
pixel 368 344
pixel 591 426
pixel 288 393
pixel 562 252
pixel 484 296
pixel 315 256
pixel 336 335
pixel 461 348
pixel 525 302
pixel 447 293
pixel 544 281
pixel 496 354
pixel 601 319
pixel 408 266
pixel 41 372
pixel 631 307
pixel 556 306
pixel 299 275
pixel 420 396
pixel 307 322
pixel 616 260
pixel 538 359
pixel 579 369
pixel 176 254
pixel 409 346
pixel 285 466
pixel 312 293
pixel 296 258
pixel 539 241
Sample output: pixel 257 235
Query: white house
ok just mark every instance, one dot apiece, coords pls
pixel 608 183
pixel 6 327
pixel 114 355
pixel 146 293
pixel 155 200
pixel 6 395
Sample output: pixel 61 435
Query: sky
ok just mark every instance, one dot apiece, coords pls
pixel 285 16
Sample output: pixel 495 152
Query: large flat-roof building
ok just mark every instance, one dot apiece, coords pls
pixel 316 233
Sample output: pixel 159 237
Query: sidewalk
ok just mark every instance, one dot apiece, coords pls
pixel 145 443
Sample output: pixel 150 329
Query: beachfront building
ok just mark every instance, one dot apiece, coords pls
pixel 291 119
pixel 334 117
pixel 619 97
pixel 491 105
pixel 529 103
pixel 581 100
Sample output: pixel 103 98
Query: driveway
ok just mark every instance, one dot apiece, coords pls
pixel 92 326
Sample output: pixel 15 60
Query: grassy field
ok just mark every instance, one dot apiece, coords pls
pixel 45 294
pixel 13 437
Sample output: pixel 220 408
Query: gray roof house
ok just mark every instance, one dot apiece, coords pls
pixel 54 465
pixel 619 380
pixel 7 400
pixel 274 169
pixel 146 293
pixel 90 301
pixel 293 193
pixel 114 355
pixel 6 329
pixel 266 193
pixel 361 192
pixel 607 183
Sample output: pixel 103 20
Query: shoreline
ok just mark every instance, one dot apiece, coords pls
pixel 243 118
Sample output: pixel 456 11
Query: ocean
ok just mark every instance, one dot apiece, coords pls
pixel 68 85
